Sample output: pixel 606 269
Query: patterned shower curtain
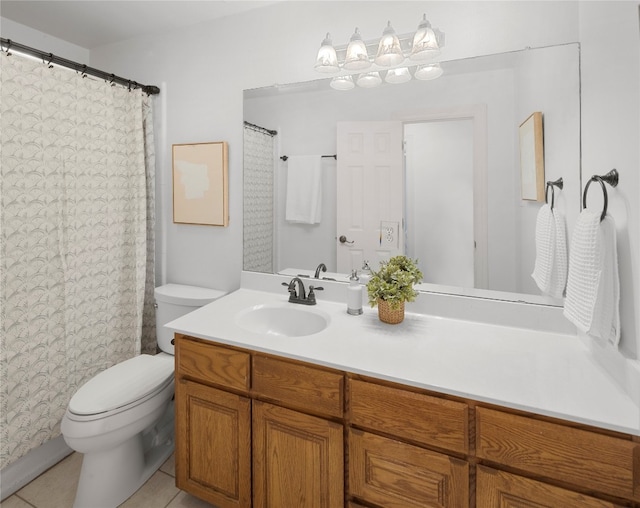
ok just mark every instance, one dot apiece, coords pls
pixel 76 241
pixel 258 200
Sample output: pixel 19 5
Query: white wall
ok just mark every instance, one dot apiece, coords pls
pixel 203 70
pixel 610 137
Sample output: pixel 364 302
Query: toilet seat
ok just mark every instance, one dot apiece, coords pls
pixel 122 387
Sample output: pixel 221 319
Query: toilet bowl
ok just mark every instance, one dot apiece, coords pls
pixel 122 419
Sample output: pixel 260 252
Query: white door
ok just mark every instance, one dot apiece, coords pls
pixel 370 193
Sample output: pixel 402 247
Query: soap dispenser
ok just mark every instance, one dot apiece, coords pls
pixel 354 295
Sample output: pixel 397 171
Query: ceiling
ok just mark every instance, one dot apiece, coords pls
pixel 94 23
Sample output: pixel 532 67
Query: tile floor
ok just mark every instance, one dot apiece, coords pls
pixel 56 488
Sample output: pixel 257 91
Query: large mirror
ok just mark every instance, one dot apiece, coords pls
pixel 463 216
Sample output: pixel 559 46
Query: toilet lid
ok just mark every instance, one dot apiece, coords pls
pixel 123 384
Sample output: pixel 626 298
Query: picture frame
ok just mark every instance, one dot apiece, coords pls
pixel 532 158
pixel 201 183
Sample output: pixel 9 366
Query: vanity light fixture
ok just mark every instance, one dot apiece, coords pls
pixel 357 58
pixel 393 58
pixel 389 50
pixel 327 60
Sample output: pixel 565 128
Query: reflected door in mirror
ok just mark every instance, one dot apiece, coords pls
pixel 370 193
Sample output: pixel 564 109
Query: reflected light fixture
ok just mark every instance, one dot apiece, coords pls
pixel 387 55
pixel 369 79
pixel 426 72
pixel 342 83
pixel 398 75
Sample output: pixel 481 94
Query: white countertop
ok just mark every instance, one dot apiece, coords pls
pixel 546 373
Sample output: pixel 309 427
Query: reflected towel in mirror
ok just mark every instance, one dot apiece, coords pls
pixel 304 189
pixel 550 269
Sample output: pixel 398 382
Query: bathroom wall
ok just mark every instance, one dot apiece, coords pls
pixel 203 70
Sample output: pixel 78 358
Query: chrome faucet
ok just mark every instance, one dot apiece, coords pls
pixel 322 267
pixel 300 295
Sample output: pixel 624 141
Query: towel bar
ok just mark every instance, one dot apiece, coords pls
pixel 556 183
pixel 285 157
pixel 611 178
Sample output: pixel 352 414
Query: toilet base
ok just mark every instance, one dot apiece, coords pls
pixel 110 477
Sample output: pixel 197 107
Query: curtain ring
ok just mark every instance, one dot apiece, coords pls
pixel 50 60
pixel 8 47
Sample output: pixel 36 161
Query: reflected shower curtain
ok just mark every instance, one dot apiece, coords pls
pixel 76 241
pixel 258 200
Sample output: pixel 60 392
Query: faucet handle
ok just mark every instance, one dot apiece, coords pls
pixel 292 289
pixel 311 297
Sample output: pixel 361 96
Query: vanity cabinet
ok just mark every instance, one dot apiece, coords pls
pixel 258 430
pixel 401 444
pixel 593 462
pixel 254 430
pixel 213 423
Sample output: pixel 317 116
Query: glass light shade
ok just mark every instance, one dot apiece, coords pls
pixel 357 57
pixel 428 71
pixel 369 80
pixel 389 50
pixel 399 75
pixel 425 42
pixel 342 83
pixel 327 60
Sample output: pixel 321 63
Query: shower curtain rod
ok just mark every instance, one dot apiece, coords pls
pixel 49 58
pixel 260 129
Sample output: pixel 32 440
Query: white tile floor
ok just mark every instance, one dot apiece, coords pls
pixel 56 488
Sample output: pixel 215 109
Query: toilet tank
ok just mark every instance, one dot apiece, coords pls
pixel 175 300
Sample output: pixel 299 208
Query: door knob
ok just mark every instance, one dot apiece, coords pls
pixel 343 239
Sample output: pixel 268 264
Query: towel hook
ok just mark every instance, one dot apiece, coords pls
pixel 556 183
pixel 611 178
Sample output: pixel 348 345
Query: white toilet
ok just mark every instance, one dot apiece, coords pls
pixel 122 419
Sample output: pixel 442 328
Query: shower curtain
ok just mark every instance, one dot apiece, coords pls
pixel 258 200
pixel 76 241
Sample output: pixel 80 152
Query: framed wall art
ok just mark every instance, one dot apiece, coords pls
pixel 200 183
pixel 532 158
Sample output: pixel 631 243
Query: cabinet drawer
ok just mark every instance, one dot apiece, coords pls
pixel 405 414
pixel 578 457
pixel 212 364
pixel 496 489
pixel 299 386
pixel 397 475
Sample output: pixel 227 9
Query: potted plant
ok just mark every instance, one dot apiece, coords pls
pixel 392 285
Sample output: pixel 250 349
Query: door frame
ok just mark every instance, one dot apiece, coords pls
pixel 477 113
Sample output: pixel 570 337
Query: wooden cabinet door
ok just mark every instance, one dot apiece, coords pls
pixel 298 460
pixel 213 445
pixel 394 474
pixel 497 489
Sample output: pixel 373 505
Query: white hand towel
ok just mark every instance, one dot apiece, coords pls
pixel 550 269
pixel 304 189
pixel 593 285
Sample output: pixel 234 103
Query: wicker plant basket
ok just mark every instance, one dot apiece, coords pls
pixel 388 315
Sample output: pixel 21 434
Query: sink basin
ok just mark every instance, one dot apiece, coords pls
pixel 289 320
